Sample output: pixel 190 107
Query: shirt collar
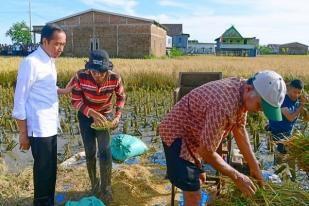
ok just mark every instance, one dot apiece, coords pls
pixel 44 55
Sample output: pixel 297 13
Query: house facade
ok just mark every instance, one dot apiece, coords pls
pixel 231 43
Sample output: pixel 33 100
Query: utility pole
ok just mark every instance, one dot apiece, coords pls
pixel 30 21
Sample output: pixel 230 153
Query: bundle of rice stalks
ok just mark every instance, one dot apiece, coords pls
pixel 298 150
pixel 107 125
pixel 285 194
pixel 304 114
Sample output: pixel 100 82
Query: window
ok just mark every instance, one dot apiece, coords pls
pixel 94 44
pixel 91 45
pixel 97 44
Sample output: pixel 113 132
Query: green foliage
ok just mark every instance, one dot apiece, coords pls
pixel 265 50
pixel 19 32
pixel 176 52
pixel 285 50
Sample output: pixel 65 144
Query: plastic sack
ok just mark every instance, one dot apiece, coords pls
pixel 86 201
pixel 271 177
pixel 204 199
pixel 125 146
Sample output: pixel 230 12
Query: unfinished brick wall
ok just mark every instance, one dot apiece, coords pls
pixel 158 41
pixel 120 36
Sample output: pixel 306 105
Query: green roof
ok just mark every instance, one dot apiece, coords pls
pixel 231 32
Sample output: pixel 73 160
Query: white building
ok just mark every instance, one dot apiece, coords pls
pixel 169 42
pixel 194 47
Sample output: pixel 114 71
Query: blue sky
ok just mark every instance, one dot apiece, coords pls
pixel 271 21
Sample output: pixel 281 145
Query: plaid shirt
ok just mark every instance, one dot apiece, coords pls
pixel 87 94
pixel 205 116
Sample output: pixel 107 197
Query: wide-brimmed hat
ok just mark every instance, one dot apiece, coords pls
pixel 98 61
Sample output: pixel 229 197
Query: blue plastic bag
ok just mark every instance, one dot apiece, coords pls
pixel 125 146
pixel 86 201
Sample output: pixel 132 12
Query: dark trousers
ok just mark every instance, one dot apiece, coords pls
pixel 44 152
pixel 90 136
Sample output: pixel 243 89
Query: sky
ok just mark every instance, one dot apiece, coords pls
pixel 271 21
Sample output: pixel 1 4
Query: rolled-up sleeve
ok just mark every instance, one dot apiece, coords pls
pixel 120 97
pixel 25 79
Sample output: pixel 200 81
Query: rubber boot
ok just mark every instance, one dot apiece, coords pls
pixel 106 175
pixel 91 166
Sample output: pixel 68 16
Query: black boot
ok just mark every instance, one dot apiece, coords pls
pixel 106 175
pixel 91 166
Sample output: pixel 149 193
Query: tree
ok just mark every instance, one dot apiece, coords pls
pixel 264 50
pixel 19 32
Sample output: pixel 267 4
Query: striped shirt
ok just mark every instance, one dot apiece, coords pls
pixel 205 116
pixel 88 94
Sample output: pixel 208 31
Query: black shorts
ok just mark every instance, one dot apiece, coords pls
pixel 183 174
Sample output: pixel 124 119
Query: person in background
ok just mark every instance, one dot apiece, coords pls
pixel 92 95
pixel 194 128
pixel 291 107
pixel 36 110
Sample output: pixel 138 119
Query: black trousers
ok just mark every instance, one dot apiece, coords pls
pixel 92 138
pixel 44 152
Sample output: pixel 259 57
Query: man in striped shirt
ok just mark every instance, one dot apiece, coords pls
pixel 92 96
pixel 196 125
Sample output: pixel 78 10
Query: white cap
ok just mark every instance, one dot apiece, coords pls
pixel 272 89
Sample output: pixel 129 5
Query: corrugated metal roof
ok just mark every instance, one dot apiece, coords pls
pixel 293 44
pixel 173 29
pixel 107 12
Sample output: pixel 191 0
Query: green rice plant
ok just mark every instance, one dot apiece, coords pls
pixel 154 125
pixel 11 145
pixel 67 151
pixel 125 127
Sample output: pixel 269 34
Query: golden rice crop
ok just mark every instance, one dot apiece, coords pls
pixel 162 73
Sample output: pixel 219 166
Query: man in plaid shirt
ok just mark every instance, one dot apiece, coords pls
pixel 92 96
pixel 196 125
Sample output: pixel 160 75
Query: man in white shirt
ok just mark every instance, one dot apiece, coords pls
pixel 36 110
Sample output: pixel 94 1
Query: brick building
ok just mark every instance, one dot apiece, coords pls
pixel 121 35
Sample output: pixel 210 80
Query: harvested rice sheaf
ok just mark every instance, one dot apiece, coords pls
pixel 107 125
pixel 298 150
pixel 284 194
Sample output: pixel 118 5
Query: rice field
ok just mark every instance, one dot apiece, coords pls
pixel 163 73
pixel 149 84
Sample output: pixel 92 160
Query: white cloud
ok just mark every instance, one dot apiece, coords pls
pixel 127 5
pixel 172 3
pixel 271 21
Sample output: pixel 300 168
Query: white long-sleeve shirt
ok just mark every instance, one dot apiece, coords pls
pixel 36 98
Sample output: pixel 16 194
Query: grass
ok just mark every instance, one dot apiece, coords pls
pixel 163 73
